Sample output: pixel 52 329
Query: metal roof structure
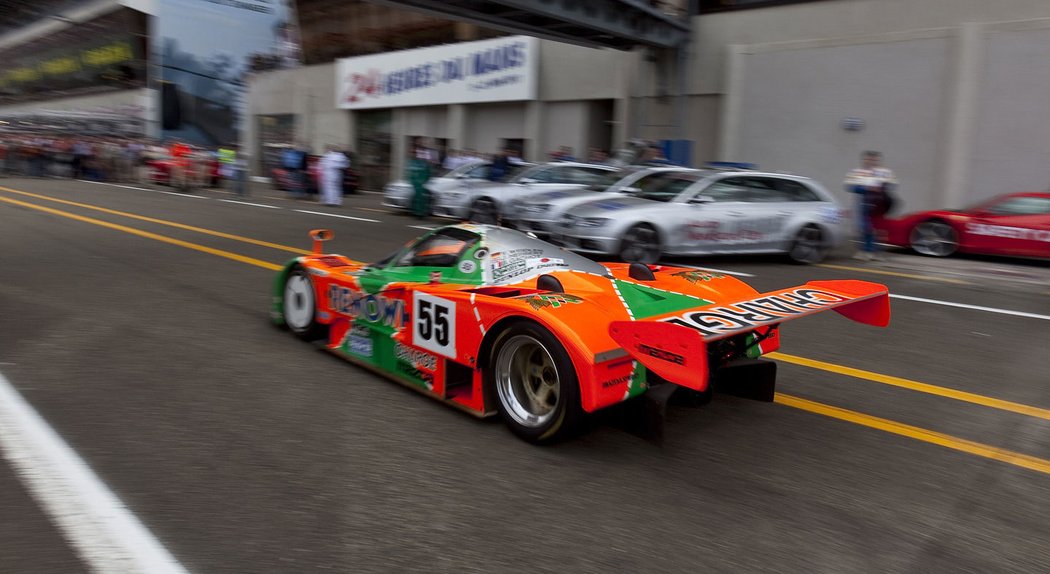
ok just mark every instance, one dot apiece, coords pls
pixel 621 24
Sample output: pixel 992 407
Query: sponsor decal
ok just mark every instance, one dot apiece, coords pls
pixel 554 301
pixel 415 364
pixel 371 308
pixel 616 382
pixel 662 354
pixel 748 314
pixel 359 341
pixel 467 266
pixel 611 205
pixel 481 253
pixel 697 276
pixel 557 194
pixel 418 359
pixel 1021 233
pixel 730 231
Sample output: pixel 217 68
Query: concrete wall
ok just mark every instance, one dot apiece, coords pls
pixel 488 124
pixel 1011 150
pixel 793 101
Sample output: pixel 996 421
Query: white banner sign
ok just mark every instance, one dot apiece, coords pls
pixel 499 70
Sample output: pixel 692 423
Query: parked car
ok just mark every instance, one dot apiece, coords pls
pixel 538 213
pixel 489 202
pixel 281 178
pixel 398 194
pixel 160 169
pixel 1016 224
pixel 708 212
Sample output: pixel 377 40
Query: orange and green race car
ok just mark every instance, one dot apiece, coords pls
pixel 490 320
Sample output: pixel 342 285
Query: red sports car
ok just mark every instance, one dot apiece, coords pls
pixel 1017 224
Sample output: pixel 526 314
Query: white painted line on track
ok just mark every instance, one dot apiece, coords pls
pixel 337 215
pixel 727 272
pixel 143 189
pixel 974 307
pixel 104 533
pixel 423 227
pixel 247 203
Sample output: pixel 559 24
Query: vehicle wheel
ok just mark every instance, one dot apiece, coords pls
pixel 641 244
pixel 484 210
pixel 299 305
pixel 536 385
pixel 934 238
pixel 810 246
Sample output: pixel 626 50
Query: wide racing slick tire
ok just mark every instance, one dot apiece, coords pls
pixel 641 244
pixel 810 245
pixel 299 306
pixel 537 390
pixel 484 210
pixel 934 237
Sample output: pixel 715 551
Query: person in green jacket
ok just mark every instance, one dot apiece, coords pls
pixel 419 174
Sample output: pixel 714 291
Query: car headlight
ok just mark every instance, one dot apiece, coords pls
pixel 592 222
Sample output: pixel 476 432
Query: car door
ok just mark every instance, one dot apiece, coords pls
pixel 782 206
pixel 1017 225
pixel 723 218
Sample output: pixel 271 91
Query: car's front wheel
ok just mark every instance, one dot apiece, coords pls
pixel 484 210
pixel 299 305
pixel 536 385
pixel 809 246
pixel 934 238
pixel 641 244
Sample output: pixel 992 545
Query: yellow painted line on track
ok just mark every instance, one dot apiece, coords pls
pixel 148 235
pixel 893 273
pixel 947 441
pixel 163 222
pixel 964 396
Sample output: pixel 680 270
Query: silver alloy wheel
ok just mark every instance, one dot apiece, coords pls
pixel 809 245
pixel 298 302
pixel 640 244
pixel 483 211
pixel 527 381
pixel 934 238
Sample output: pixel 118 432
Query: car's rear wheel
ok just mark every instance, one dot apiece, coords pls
pixel 536 386
pixel 641 244
pixel 484 210
pixel 934 238
pixel 809 246
pixel 299 305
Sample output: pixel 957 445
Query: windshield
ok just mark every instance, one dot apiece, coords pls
pixel 665 186
pixel 514 256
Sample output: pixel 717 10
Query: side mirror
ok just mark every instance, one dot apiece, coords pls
pixel 320 236
pixel 631 190
pixel 528 181
pixel 701 199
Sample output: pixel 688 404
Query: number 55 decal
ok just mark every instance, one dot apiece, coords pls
pixel 434 324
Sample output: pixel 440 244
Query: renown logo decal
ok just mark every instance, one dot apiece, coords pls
pixel 372 308
pixel 746 314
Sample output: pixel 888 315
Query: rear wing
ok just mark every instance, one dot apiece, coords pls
pixel 675 346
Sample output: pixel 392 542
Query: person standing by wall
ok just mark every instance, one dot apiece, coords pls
pixel 873 185
pixel 332 164
pixel 418 175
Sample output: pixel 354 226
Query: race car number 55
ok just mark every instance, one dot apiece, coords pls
pixel 434 324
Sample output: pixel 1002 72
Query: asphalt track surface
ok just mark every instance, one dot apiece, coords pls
pixel 147 347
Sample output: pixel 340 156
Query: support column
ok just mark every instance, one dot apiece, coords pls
pixel 398 143
pixel 624 127
pixel 961 120
pixel 457 126
pixel 732 98
pixel 534 132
